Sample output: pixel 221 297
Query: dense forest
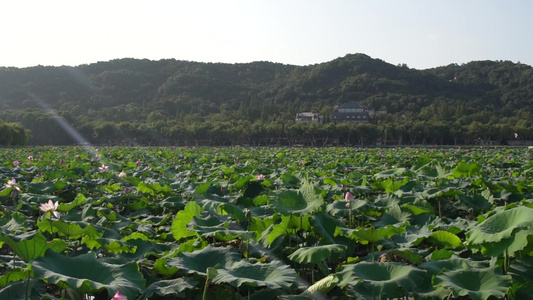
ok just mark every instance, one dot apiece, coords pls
pixel 172 102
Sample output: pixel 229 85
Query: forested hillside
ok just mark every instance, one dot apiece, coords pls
pixel 187 103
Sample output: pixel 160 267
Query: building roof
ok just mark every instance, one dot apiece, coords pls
pixel 352 105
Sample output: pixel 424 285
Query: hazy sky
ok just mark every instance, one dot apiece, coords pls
pixel 421 33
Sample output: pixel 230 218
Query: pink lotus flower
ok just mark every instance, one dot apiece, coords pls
pixel 348 197
pixel 103 169
pixel 260 177
pixel 119 296
pixel 138 162
pixel 50 207
pixel 121 174
pixel 16 162
pixel 12 183
pixel 30 157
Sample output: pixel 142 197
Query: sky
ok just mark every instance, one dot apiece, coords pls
pixel 420 33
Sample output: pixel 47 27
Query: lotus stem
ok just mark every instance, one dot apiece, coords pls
pixel 204 296
pixel 27 286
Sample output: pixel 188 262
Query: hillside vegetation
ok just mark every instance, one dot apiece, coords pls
pixel 185 103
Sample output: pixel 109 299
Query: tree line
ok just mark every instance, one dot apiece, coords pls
pixel 185 103
pixel 13 134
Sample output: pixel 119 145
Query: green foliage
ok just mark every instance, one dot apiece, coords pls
pixel 131 101
pixel 233 223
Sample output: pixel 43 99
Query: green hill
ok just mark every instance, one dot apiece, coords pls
pixel 178 102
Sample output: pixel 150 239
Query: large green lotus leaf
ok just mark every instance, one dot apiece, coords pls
pixel 338 208
pixel 161 268
pixel 501 225
pixel 6 192
pixel 12 276
pixel 510 246
pixel 322 287
pixel 203 188
pixel 413 236
pixel 393 215
pixel 87 274
pixel 389 173
pixel 324 225
pixel 17 291
pixel 174 202
pixel 208 224
pixel 478 284
pixel 273 275
pixel 180 229
pixel 466 170
pixel 446 239
pixel 289 225
pixel 36 199
pixel 174 287
pixel 389 279
pixel 385 201
pixel 370 235
pixel 71 229
pixel 145 249
pixel 301 202
pixel 79 200
pixel 30 245
pixel 521 270
pixel 441 254
pixel 289 180
pixel 18 223
pixel 152 189
pixel 198 261
pixel 41 188
pixel 315 254
pixel 436 267
pixel 477 202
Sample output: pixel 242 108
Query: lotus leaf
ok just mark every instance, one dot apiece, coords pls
pixel 478 284
pixel 501 226
pixel 322 287
pixel 446 239
pixel 198 261
pixel 273 275
pixel 288 225
pixel 370 235
pixel 89 274
pixel 390 279
pixel 183 217
pixel 31 245
pixel 17 290
pixel 324 225
pixel 301 202
pixel 315 254
pixel 466 170
pixel 389 173
pixel 174 287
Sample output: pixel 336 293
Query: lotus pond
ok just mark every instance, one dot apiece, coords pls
pixel 266 223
